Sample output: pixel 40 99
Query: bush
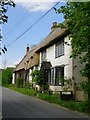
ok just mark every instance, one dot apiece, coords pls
pixel 19 82
pixel 28 84
pixel 46 86
pixel 7 76
pixel 85 86
pixel 38 77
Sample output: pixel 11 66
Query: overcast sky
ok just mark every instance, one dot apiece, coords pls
pixel 20 19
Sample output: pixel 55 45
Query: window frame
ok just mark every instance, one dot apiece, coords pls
pixel 61 73
pixel 43 55
pixel 52 76
pixel 59 48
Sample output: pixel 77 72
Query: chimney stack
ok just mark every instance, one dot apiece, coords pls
pixel 27 48
pixel 54 26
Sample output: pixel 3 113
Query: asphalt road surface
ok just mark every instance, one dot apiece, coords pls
pixel 17 105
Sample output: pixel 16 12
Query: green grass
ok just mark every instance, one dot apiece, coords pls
pixel 29 92
pixel 0 77
pixel 73 105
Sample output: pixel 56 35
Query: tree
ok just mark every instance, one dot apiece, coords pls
pixel 3 10
pixel 0 76
pixel 77 17
pixel 38 77
pixel 4 18
pixel 7 76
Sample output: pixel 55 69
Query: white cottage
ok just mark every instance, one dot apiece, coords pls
pixel 53 56
pixel 55 51
pixel 55 59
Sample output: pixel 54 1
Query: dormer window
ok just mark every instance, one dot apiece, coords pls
pixel 31 57
pixel 59 49
pixel 28 61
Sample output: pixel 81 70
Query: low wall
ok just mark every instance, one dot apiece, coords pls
pixel 59 88
pixel 80 96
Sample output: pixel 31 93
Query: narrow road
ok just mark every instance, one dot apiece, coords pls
pixel 17 105
pixel 0 102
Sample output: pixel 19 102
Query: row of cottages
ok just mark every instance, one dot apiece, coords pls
pixel 53 55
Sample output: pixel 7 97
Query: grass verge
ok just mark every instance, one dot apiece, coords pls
pixel 73 105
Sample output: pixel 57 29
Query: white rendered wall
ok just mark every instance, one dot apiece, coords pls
pixel 63 60
pixel 13 78
pixel 30 77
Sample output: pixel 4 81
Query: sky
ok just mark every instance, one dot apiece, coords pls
pixel 20 18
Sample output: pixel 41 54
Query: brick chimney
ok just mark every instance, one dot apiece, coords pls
pixel 27 48
pixel 54 26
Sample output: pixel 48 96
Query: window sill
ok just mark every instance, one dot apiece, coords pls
pixel 59 56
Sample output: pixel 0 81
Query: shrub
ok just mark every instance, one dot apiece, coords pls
pixel 38 77
pixel 19 82
pixel 7 76
pixel 46 86
pixel 84 86
pixel 28 84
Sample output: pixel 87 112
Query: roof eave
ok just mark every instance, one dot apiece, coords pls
pixel 54 40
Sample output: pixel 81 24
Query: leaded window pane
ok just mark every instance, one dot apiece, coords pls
pixel 59 49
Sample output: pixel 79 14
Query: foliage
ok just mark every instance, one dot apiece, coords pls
pixel 38 77
pixel 3 10
pixel 67 84
pixel 7 76
pixel 46 86
pixel 0 77
pixel 19 82
pixel 78 106
pixel 24 90
pixel 4 18
pixel 85 86
pixel 28 84
pixel 77 17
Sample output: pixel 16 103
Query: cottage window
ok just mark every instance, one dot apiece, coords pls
pixel 43 55
pixel 52 76
pixel 59 49
pixel 59 75
pixel 31 57
pixel 19 75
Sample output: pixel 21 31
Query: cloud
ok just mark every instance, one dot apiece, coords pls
pixel 30 1
pixel 36 5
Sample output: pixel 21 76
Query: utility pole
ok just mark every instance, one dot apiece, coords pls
pixel 4 64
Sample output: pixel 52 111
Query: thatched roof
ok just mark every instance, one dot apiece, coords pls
pixel 25 59
pixel 50 39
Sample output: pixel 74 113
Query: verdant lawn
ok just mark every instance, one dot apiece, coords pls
pixel 29 92
pixel 77 106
